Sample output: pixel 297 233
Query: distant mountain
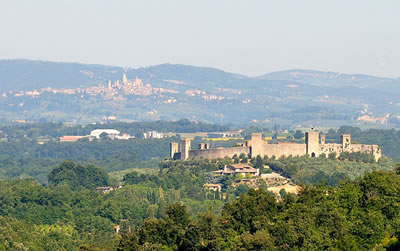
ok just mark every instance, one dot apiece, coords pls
pixel 333 79
pixel 28 75
pixel 23 74
pixel 175 91
pixel 184 73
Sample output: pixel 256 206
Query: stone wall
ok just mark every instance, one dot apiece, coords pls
pixel 329 148
pixel 339 148
pixel 257 146
pixel 286 149
pixel 218 152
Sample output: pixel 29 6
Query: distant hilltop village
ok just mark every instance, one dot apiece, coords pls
pixel 314 146
pixel 109 90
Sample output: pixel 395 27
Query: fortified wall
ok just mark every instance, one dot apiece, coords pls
pixel 313 146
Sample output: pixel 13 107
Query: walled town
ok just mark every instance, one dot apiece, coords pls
pixel 314 146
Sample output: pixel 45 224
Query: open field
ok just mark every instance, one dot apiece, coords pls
pixel 288 188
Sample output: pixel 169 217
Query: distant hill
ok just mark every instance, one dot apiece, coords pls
pixel 184 73
pixel 175 91
pixel 23 74
pixel 333 79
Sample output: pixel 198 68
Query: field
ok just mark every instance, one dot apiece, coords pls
pixel 288 188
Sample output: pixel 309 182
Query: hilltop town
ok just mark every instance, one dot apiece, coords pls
pixel 110 90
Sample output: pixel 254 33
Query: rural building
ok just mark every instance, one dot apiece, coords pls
pixel 153 135
pixel 238 169
pixel 112 133
pixel 107 189
pixel 71 138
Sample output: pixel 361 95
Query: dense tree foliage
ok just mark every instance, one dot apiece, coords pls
pixel 26 158
pixel 298 134
pixel 56 130
pixel 77 176
pixel 72 201
pixel 315 170
pixel 355 216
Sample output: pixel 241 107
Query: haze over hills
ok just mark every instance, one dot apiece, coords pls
pixel 321 78
pixel 86 93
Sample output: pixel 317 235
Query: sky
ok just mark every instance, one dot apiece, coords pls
pixel 251 37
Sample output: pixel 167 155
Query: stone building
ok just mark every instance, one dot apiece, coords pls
pixel 313 146
pixel 234 169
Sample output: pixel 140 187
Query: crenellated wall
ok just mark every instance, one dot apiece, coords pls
pixel 257 146
pixel 339 148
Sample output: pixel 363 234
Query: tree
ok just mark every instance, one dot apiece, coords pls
pixel 298 134
pixel 191 240
pixel 259 162
pixel 77 176
pixel 241 189
pixel 129 242
pixel 282 193
pixel 332 156
pixel 261 240
pixel 131 178
pixel 176 212
pixel 103 136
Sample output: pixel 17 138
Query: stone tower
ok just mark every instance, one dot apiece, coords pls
pixel 345 140
pixel 185 148
pixel 322 136
pixel 312 144
pixel 204 146
pixel 124 78
pixel 173 148
pixel 256 145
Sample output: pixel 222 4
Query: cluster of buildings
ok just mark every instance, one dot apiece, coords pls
pixel 243 169
pixel 109 90
pixel 97 134
pixel 245 174
pixel 154 135
pixel 112 134
pixel 375 120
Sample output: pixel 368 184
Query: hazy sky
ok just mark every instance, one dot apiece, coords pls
pixel 251 37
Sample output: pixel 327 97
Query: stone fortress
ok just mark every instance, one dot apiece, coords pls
pixel 313 146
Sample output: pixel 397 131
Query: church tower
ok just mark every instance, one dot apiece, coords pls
pixel 124 78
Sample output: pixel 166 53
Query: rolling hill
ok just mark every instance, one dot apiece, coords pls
pixel 173 91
